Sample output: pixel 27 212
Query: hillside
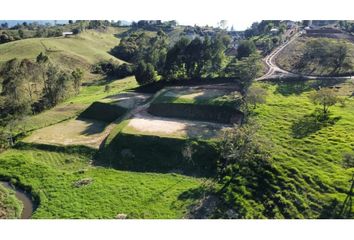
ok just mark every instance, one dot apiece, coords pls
pixel 309 156
pixel 313 56
pixel 77 51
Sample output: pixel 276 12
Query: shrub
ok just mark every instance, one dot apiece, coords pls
pixel 145 73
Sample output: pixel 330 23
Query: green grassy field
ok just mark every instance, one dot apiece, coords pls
pixel 78 51
pixel 52 177
pixel 10 207
pixel 309 156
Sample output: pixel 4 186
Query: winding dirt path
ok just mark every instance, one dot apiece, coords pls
pixel 275 72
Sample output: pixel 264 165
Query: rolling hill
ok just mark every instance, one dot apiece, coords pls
pixel 77 51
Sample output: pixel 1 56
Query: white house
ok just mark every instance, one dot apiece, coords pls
pixel 65 34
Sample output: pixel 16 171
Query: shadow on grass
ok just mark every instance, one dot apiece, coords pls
pixel 204 202
pixel 312 123
pixel 297 87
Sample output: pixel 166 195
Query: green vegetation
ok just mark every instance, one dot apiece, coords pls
pixel 10 206
pixel 150 153
pixel 264 39
pixel 30 87
pixel 245 49
pixel 78 51
pixel 325 98
pixel 318 56
pixel 200 96
pixel 309 162
pixel 52 175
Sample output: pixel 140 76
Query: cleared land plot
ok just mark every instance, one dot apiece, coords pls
pixel 146 124
pixel 57 114
pixel 127 100
pixel 86 132
pixel 224 94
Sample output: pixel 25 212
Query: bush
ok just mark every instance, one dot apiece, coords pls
pixel 245 49
pixel 145 73
pixel 112 69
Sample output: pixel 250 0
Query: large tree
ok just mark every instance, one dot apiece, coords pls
pixel 325 97
pixel 245 49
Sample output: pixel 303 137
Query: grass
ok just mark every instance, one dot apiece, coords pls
pixel 152 153
pixel 10 206
pixel 51 176
pixel 96 91
pixel 289 58
pixel 217 97
pixel 311 162
pixel 72 107
pixel 85 48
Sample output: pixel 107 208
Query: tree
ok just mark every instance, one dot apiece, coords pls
pixel 255 95
pixel 77 76
pixel 145 73
pixel 325 97
pixel 247 70
pixel 4 38
pixel 21 33
pixel 240 148
pixel 245 49
pixel 42 58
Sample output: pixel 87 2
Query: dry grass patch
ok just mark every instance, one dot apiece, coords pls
pixel 73 132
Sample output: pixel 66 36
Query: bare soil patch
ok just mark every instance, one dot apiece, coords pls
pixel 144 123
pixel 127 100
pixel 86 132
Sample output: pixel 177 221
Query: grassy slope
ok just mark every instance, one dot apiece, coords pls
pixel 78 51
pixel 52 175
pixel 73 106
pixel 290 56
pixel 312 163
pixel 10 207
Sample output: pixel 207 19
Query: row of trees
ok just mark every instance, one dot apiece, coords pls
pixel 29 87
pixel 186 59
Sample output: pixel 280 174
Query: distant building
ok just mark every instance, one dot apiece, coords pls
pixel 66 34
pixel 274 31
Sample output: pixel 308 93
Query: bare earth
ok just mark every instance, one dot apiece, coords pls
pixel 73 132
pixel 144 123
pixel 128 100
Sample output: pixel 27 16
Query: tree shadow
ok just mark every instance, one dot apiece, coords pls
pixel 331 210
pixel 204 202
pixel 94 127
pixel 312 123
pixel 297 87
